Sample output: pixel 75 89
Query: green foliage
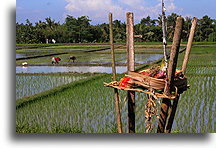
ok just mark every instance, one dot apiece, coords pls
pixel 76 30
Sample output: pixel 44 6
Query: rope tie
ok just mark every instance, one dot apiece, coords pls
pixel 151 109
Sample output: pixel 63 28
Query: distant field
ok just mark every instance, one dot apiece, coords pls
pixel 87 54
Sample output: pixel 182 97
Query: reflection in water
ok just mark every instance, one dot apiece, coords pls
pixel 122 58
pixel 83 69
pixel 99 59
pixel 147 58
pixel 21 55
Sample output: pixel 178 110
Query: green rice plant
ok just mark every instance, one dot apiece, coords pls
pixel 64 110
pixel 89 107
pixel 86 106
pixel 196 109
pixel 33 84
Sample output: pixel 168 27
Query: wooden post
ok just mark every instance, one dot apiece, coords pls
pixel 163 115
pixel 189 44
pixel 131 67
pixel 187 53
pixel 116 94
pixel 172 115
pixel 174 53
pixel 171 73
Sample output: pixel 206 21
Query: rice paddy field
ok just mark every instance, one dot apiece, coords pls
pixel 79 103
pixel 30 84
pixel 86 54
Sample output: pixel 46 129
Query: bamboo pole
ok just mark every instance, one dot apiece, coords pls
pixel 189 44
pixel 184 66
pixel 164 29
pixel 116 94
pixel 163 115
pixel 131 67
pixel 174 53
pixel 171 73
pixel 172 115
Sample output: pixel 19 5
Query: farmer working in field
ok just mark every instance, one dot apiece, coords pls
pixel 73 58
pixel 55 60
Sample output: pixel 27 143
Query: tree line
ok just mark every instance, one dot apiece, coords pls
pixel 79 30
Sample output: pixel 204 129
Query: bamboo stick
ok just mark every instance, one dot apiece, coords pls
pixel 172 115
pixel 172 97
pixel 131 67
pixel 171 73
pixel 174 54
pixel 184 66
pixel 116 94
pixel 164 29
pixel 189 44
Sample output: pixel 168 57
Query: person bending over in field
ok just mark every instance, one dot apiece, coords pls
pixel 73 58
pixel 55 60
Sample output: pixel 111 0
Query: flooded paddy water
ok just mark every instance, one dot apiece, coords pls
pixel 96 61
pixel 85 59
pixel 63 69
pixel 85 62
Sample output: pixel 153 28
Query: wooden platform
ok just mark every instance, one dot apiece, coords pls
pixel 152 86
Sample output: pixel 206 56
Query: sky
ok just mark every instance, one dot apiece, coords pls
pixel 98 10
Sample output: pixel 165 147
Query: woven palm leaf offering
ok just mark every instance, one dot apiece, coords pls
pixel 153 78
